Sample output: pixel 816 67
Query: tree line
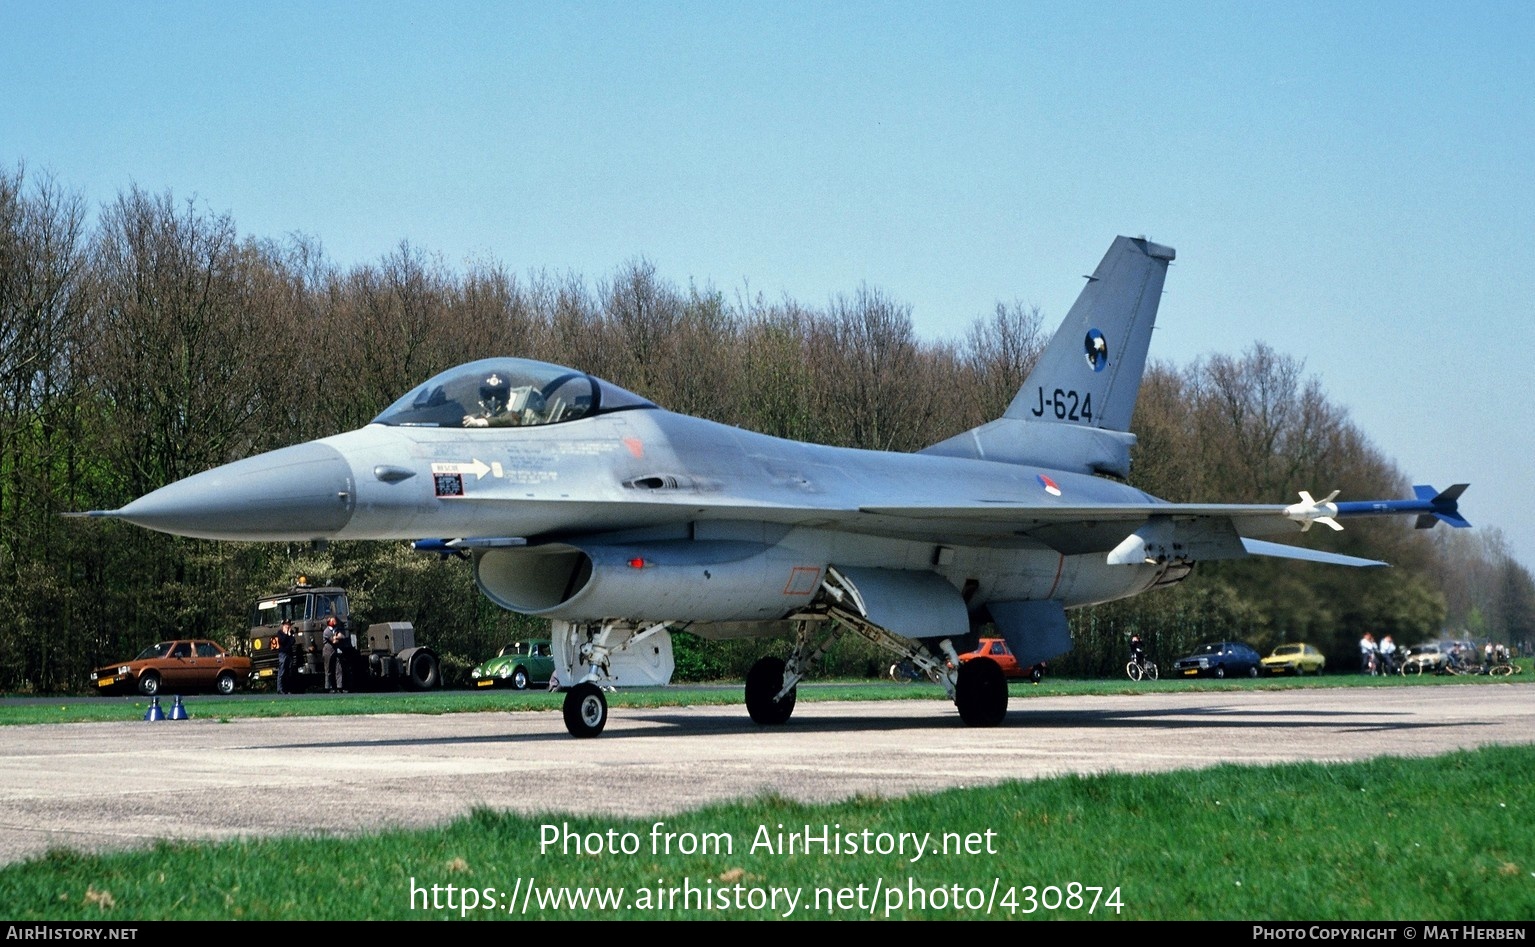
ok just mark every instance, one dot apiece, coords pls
pixel 147 340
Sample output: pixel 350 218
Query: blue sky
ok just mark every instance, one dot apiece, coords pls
pixel 1349 182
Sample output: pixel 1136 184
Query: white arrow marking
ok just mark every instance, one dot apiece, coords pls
pixel 477 467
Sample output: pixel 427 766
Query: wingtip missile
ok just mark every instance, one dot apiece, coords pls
pixel 1432 506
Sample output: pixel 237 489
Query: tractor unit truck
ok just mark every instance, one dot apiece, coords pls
pixel 383 656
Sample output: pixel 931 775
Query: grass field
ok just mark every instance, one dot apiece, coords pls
pixel 1448 838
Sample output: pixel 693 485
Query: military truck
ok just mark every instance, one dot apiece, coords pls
pixel 383 656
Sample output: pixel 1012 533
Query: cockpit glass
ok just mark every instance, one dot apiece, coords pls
pixel 507 392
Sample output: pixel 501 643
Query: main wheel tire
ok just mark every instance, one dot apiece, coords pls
pixel 1151 670
pixel 980 693
pixel 149 684
pixel 586 710
pixel 1220 672
pixel 1253 671
pixel 225 684
pixel 520 679
pixel 1501 670
pixel 1133 671
pixel 763 682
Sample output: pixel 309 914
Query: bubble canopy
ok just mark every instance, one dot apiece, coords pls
pixel 508 392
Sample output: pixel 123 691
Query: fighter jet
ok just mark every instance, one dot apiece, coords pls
pixel 623 523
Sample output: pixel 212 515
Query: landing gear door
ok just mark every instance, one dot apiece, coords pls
pixel 645 663
pixel 910 603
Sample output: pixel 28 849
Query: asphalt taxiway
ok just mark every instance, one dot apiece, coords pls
pixel 103 786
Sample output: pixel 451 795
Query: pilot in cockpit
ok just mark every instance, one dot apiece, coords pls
pixel 504 406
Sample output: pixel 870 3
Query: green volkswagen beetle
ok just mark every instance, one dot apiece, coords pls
pixel 518 665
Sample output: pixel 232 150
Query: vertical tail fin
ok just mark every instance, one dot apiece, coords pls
pixel 1073 411
pixel 1090 373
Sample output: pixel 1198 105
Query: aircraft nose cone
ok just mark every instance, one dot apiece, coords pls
pixel 296 493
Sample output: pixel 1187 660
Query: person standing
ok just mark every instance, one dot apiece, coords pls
pixel 327 653
pixel 1367 653
pixel 283 643
pixel 335 657
pixel 344 666
pixel 331 654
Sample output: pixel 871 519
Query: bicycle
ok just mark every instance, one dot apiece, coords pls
pixel 1454 667
pixel 1505 669
pixel 1140 668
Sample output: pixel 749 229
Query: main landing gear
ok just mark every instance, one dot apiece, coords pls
pixel 978 687
pixel 767 699
pixel 980 692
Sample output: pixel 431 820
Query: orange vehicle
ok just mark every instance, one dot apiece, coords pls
pixel 176 667
pixel 998 651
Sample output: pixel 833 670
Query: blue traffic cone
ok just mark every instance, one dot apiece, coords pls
pixel 178 712
pixel 154 712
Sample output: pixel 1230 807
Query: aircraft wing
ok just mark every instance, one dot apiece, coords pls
pixel 1124 532
pixel 1017 516
pixel 1129 532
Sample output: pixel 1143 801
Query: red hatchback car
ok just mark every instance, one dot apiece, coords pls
pixel 176 667
pixel 998 651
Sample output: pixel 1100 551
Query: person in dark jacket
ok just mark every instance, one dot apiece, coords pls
pixel 283 644
pixel 334 672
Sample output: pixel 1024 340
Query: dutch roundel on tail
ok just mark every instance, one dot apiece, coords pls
pixel 625 523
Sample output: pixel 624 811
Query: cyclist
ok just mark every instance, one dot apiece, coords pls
pixel 1388 662
pixel 1367 654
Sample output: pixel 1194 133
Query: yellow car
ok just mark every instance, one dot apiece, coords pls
pixel 1294 659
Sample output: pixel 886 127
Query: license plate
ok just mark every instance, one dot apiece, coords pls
pixel 106 682
pixel 487 682
pixel 265 672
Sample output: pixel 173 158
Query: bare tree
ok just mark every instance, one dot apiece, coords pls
pixel 176 343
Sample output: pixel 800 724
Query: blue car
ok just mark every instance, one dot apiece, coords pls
pixel 1219 659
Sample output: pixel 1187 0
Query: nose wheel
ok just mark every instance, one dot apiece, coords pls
pixel 586 710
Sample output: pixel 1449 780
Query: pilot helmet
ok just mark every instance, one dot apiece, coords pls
pixel 494 393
